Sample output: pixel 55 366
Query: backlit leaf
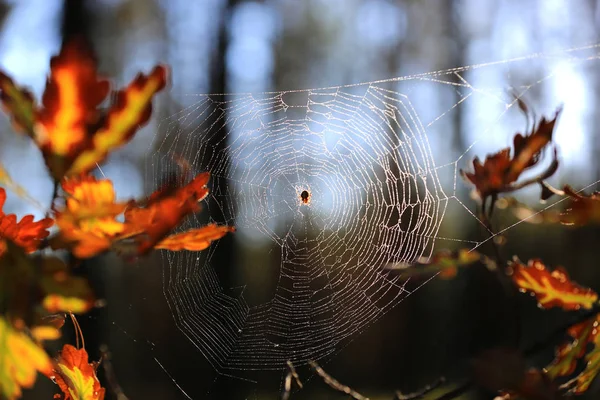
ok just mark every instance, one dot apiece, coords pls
pixel 131 109
pixel 569 353
pixel 163 212
pixel 64 292
pixel 88 223
pixel 499 172
pixel 18 103
pixel 20 360
pixel 76 376
pixel 551 289
pixel 194 239
pixel 26 233
pixel 69 106
pixel 582 209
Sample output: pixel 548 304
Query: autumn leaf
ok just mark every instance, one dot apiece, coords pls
pixel 18 103
pixel 76 376
pixel 194 239
pixel 20 360
pixel 552 289
pixel 444 262
pixel 584 334
pixel 131 109
pixel 26 233
pixel 64 292
pixel 582 209
pixel 499 172
pixel 164 211
pixel 88 223
pixel 69 106
pixel 7 181
pixel 73 133
pixel 569 353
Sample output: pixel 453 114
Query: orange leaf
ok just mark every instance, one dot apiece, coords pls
pixel 26 233
pixel 72 95
pixel 19 103
pixel 20 359
pixel 194 239
pixel 75 376
pixel 552 289
pixel 130 110
pixel 163 212
pixel 64 292
pixel 88 224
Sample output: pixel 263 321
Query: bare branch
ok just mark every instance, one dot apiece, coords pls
pixel 292 375
pixel 335 384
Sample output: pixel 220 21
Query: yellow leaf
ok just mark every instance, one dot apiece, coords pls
pixel 131 109
pixel 194 239
pixel 20 360
pixel 75 376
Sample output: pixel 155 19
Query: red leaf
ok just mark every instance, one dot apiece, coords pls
pixel 552 289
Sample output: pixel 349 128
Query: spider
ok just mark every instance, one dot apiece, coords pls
pixel 305 197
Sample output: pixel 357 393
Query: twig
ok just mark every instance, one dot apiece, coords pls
pixel 335 384
pixel 111 377
pixel 291 375
pixel 422 392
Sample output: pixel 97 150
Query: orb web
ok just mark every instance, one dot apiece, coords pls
pixel 375 198
pixel 363 155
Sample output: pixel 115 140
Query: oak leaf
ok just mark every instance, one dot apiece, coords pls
pixel 551 289
pixel 20 360
pixel 76 376
pixel 89 226
pixel 72 131
pixel 150 222
pixel 582 208
pixel 26 233
pixel 131 108
pixel 62 291
pixel 569 353
pixel 88 223
pixel 500 171
pixel 194 239
pixel 69 106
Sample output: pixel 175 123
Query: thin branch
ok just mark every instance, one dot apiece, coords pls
pixel 420 393
pixel 335 384
pixel 109 373
pixel 292 375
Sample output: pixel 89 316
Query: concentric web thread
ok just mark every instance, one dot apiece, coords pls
pixel 363 154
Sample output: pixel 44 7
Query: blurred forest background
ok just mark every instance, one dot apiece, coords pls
pixel 221 46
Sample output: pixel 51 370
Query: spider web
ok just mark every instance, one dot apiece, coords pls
pixel 377 197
